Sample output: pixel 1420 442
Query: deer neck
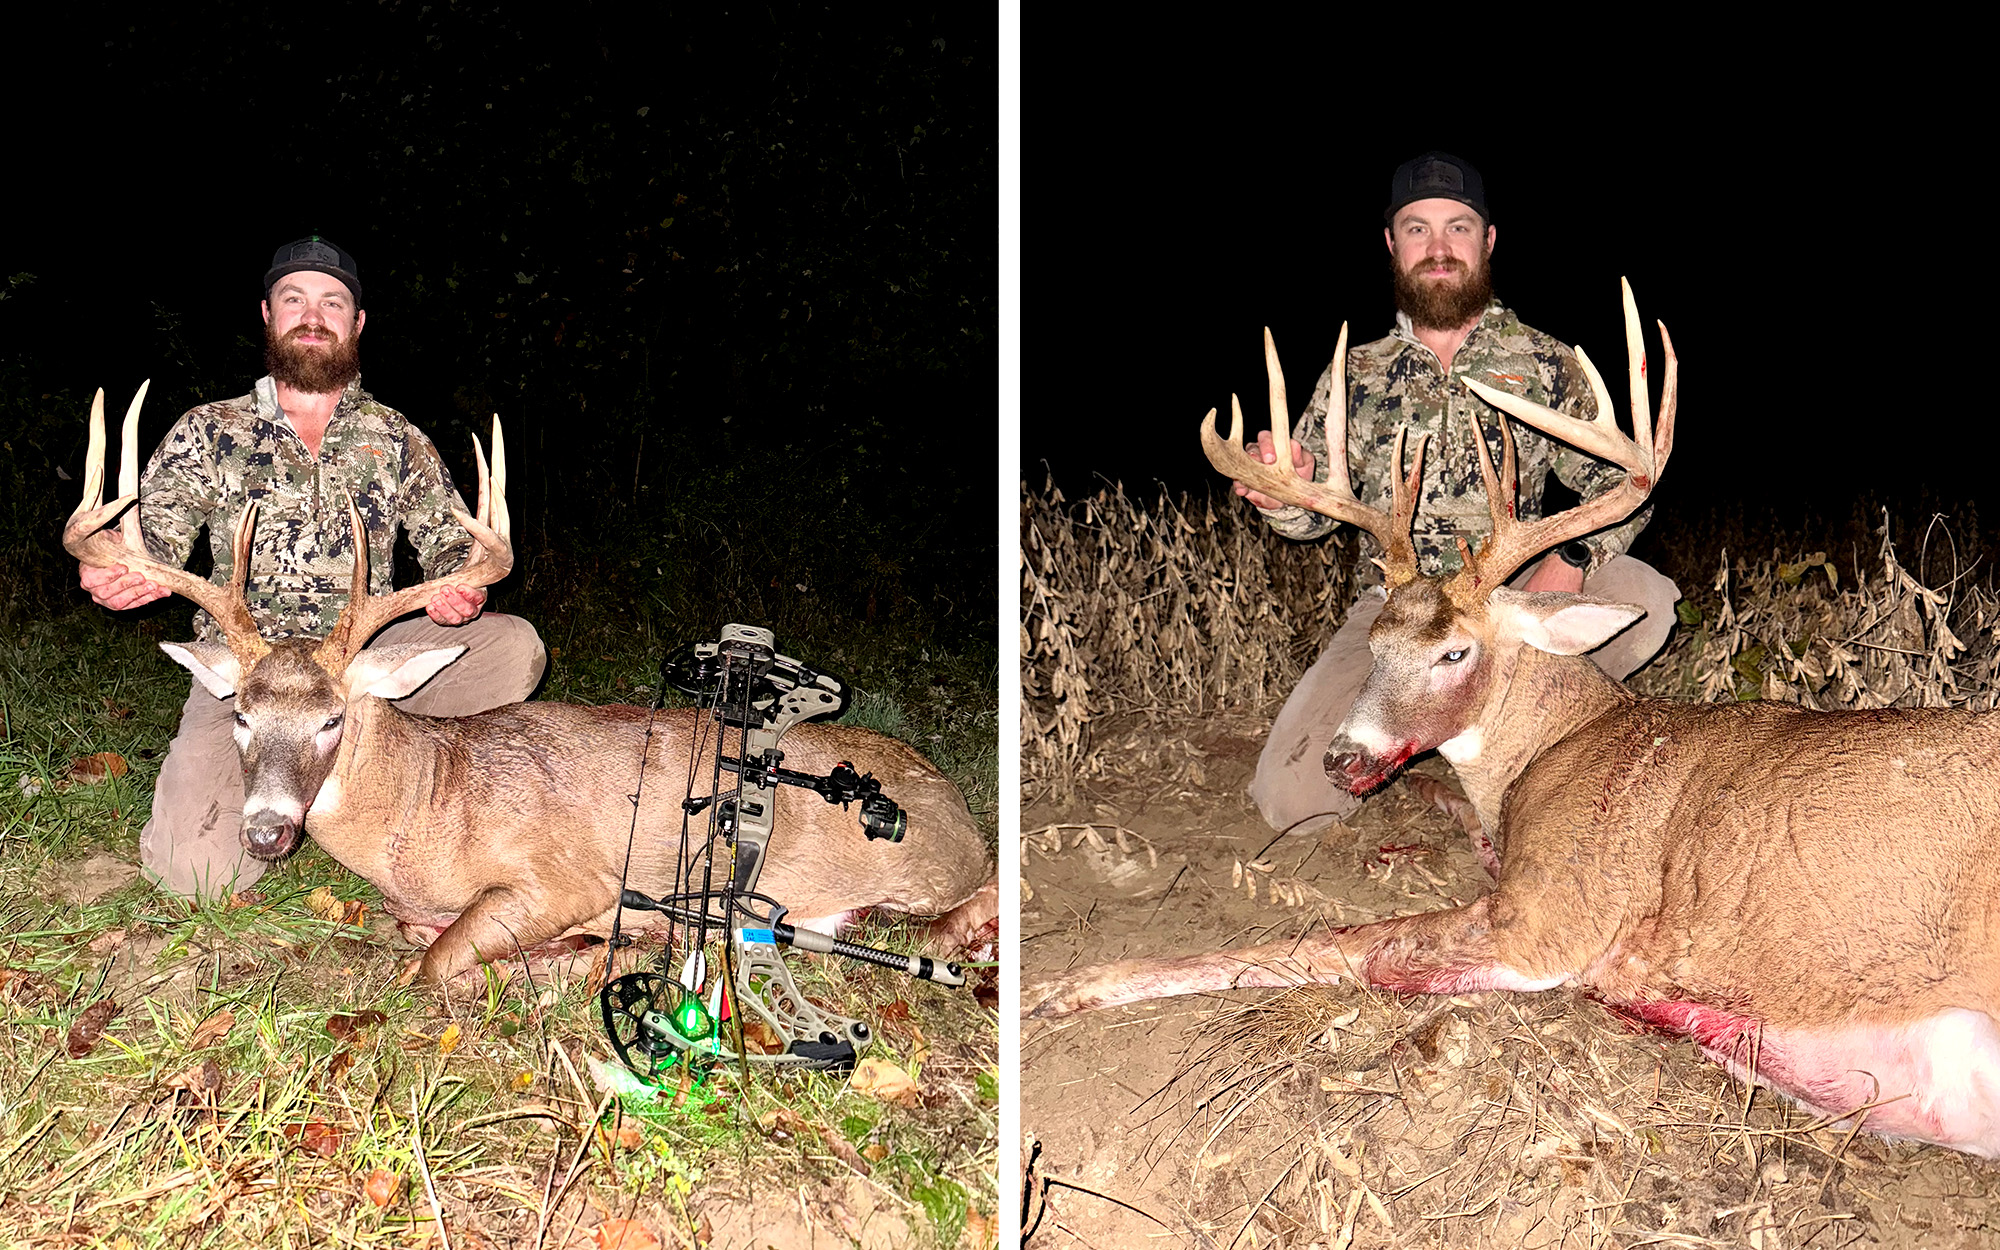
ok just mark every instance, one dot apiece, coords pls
pixel 1536 699
pixel 347 816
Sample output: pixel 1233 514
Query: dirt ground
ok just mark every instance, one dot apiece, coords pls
pixel 1336 1117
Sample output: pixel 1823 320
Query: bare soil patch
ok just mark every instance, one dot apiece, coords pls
pixel 1338 1117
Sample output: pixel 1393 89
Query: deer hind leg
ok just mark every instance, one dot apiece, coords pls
pixel 1458 807
pixel 1440 952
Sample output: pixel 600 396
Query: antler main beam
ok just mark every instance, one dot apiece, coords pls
pixel 492 559
pixel 1643 458
pixel 86 537
pixel 1332 495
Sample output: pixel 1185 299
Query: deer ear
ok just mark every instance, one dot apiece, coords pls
pixel 394 671
pixel 212 663
pixel 1557 623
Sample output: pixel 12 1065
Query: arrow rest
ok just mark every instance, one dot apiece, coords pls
pixel 655 1021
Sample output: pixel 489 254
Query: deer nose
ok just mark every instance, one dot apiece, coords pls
pixel 267 834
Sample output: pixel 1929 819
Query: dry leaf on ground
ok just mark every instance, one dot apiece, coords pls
pixel 623 1235
pixel 89 1027
pixel 91 769
pixel 884 1080
pixel 323 904
pixel 383 1187
pixel 107 941
pixel 202 1080
pixel 448 1040
pixel 212 1030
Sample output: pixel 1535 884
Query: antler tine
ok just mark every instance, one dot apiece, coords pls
pixel 86 538
pixel 1332 497
pixel 1513 544
pixel 491 560
pixel 128 464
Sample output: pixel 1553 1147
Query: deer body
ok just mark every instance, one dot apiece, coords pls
pixel 1812 897
pixel 411 801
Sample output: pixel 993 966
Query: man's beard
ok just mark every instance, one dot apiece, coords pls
pixel 1444 303
pixel 317 369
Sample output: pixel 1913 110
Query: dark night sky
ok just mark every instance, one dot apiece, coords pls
pixel 1773 222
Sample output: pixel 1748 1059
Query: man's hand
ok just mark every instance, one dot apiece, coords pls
pixel 1555 573
pixel 455 605
pixel 117 589
pixel 1267 451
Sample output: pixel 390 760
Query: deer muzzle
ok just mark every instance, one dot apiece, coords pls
pixel 269 834
pixel 1360 769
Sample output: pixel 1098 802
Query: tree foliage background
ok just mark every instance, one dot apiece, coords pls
pixel 726 274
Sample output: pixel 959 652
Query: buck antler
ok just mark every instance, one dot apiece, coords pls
pixel 1334 495
pixel 86 538
pixel 492 559
pixel 1514 543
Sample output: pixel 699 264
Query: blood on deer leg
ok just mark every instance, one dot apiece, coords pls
pixel 1442 952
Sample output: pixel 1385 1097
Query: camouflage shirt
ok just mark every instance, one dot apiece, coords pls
pixel 1397 381
pixel 220 456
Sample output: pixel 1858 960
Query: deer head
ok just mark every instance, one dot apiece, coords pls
pixel 292 696
pixel 1444 645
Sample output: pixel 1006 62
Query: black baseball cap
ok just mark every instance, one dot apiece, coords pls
pixel 1434 175
pixel 315 253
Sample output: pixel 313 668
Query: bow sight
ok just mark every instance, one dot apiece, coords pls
pixel 751 695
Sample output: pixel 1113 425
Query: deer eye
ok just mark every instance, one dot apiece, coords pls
pixel 332 722
pixel 1452 657
pixel 243 720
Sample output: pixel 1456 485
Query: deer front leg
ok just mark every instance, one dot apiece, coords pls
pixel 1458 807
pixel 1441 952
pixel 499 924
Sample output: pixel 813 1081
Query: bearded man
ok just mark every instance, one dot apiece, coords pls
pixel 305 441
pixel 1448 326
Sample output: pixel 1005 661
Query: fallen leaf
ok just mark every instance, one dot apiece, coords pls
pixel 522 1083
pixel 321 1138
pixel 245 898
pixel 90 769
pixel 355 914
pixel 844 1151
pixel 107 941
pixel 89 1026
pixel 323 904
pixel 875 1151
pixel 897 1010
pixel 202 1080
pixel 623 1235
pixel 448 1040
pixel 383 1187
pixel 922 1048
pixel 885 1081
pixel 348 1028
pixel 759 1038
pixel 113 709
pixel 212 1030
pixel 337 1066
pixel 24 987
pixel 981 1231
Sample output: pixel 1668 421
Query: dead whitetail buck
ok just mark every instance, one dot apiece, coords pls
pixel 1812 897
pixel 493 833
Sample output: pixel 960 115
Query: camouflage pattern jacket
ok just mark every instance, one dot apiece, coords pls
pixel 221 456
pixel 1397 381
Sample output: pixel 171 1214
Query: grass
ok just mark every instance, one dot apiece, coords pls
pixel 266 1079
